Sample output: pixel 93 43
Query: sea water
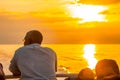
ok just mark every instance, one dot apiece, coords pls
pixel 71 57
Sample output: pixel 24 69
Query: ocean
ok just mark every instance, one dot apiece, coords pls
pixel 71 57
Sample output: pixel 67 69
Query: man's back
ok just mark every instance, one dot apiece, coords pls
pixel 36 62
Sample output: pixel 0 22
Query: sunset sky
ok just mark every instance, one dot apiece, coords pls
pixel 61 21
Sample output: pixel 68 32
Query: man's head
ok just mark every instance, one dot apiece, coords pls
pixel 33 36
pixel 106 67
pixel 86 74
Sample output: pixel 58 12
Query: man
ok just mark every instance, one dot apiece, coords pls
pixel 107 69
pixel 2 74
pixel 32 61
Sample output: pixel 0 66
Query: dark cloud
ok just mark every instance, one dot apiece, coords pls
pixel 99 2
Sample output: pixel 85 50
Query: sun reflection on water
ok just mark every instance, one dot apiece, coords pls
pixel 89 51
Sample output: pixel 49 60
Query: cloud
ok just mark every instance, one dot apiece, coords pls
pixel 99 2
pixel 30 5
pixel 14 25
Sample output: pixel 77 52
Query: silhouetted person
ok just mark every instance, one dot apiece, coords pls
pixel 32 61
pixel 107 69
pixel 86 74
pixel 2 74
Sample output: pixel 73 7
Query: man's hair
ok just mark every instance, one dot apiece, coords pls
pixel 86 74
pixel 33 36
pixel 106 67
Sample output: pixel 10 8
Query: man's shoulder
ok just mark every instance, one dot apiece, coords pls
pixel 20 49
pixel 48 49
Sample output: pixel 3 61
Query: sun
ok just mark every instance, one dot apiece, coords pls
pixel 88 13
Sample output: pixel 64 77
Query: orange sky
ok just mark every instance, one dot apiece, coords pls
pixel 53 19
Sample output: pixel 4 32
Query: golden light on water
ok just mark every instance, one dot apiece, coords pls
pixel 89 51
pixel 88 13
